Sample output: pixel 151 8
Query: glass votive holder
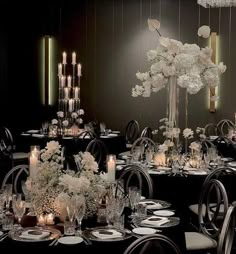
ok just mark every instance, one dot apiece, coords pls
pixel 7 221
pixel 69 227
pixel 41 220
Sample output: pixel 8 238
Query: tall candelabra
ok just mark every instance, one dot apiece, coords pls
pixel 69 85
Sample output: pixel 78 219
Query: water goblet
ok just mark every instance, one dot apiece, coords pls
pixel 80 208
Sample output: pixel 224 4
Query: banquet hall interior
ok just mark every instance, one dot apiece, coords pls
pixel 118 126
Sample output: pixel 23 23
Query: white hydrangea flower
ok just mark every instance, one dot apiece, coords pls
pixel 187 133
pixel 204 31
pixel 54 121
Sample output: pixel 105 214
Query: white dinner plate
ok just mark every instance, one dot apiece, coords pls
pixel 120 162
pixel 70 240
pixel 144 231
pixel 33 131
pixel 116 132
pixel 166 213
pixel 25 134
pixel 232 164
pixel 199 172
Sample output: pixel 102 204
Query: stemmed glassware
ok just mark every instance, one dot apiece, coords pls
pixel 7 193
pixel 18 206
pixel 80 208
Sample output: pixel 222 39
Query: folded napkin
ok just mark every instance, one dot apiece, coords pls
pixel 34 234
pixel 155 221
pixel 38 135
pixel 151 204
pixel 107 234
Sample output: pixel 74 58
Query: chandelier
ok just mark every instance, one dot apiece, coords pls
pixel 217 3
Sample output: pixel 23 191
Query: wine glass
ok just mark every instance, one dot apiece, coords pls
pixel 134 197
pixel 7 192
pixel 80 207
pixel 18 206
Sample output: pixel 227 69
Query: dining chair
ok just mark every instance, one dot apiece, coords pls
pixel 225 146
pixel 87 135
pixel 147 132
pixel 226 238
pixel 7 142
pixel 146 143
pixel 136 174
pixel 99 150
pixel 155 243
pixel 211 224
pixel 219 174
pixel 224 125
pixel 132 132
pixel 15 175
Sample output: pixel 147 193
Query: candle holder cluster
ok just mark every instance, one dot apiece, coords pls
pixel 69 85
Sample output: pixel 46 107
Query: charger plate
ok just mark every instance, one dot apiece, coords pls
pixel 15 234
pixel 172 221
pixel 89 233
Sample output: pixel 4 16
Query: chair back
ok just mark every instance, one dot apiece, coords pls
pixel 156 242
pixel 211 130
pixel 145 143
pixel 226 238
pixel 135 174
pixel 99 151
pixel 15 175
pixel 87 135
pixel 215 200
pixel 132 131
pixel 225 146
pixel 147 132
pixel 224 126
pixel 6 141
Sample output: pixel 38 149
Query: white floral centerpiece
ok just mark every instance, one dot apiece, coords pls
pixel 53 187
pixel 183 65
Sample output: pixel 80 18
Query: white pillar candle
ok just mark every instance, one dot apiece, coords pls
pixel 71 105
pixel 111 167
pixel 59 69
pixel 66 93
pixel 73 58
pixel 79 67
pixel 69 81
pixel 64 58
pixel 76 92
pixel 33 164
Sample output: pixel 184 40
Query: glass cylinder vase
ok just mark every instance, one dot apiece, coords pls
pixel 173 102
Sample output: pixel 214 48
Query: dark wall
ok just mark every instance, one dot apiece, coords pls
pixel 111 38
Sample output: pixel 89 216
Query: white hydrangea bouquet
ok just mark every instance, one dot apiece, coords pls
pixel 191 65
pixel 53 187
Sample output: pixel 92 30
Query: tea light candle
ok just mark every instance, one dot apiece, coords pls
pixel 111 168
pixel 160 159
pixel 41 220
pixel 50 219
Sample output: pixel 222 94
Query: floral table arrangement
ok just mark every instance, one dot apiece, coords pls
pixel 53 188
pixel 175 65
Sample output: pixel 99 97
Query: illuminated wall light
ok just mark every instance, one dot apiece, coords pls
pixel 48 72
pixel 213 43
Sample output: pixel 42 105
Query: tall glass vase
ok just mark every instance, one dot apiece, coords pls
pixel 173 102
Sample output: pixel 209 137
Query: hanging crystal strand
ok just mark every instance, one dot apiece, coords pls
pixel 186 118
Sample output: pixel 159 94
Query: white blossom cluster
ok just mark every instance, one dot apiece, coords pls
pixel 191 65
pixel 54 187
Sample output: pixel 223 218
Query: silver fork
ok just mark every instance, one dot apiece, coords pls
pixel 3 237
